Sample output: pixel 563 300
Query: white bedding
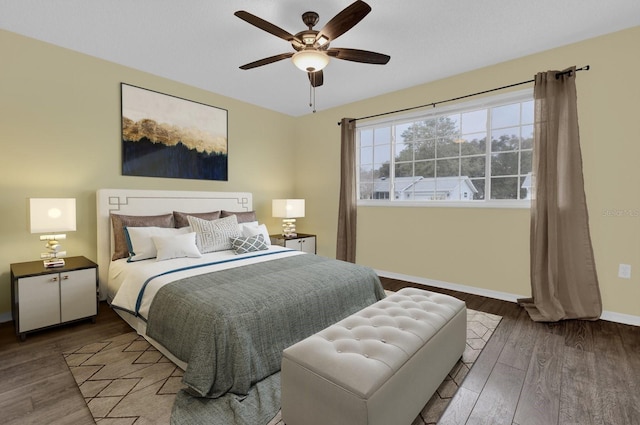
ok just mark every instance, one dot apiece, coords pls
pixel 127 279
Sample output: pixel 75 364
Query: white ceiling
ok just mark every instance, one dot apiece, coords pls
pixel 201 42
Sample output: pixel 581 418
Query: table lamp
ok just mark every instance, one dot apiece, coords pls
pixel 288 210
pixel 51 216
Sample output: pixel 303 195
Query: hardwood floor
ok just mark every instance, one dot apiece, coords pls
pixel 572 372
pixel 36 386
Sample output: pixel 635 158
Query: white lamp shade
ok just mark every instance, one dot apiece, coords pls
pixel 52 214
pixel 310 60
pixel 287 208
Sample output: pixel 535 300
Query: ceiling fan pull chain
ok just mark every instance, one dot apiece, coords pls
pixel 312 97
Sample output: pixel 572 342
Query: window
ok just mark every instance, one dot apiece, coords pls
pixel 477 152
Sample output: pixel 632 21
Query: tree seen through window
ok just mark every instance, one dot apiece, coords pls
pixel 447 157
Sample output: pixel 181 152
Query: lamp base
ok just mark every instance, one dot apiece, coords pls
pixel 52 258
pixel 54 262
pixel 289 227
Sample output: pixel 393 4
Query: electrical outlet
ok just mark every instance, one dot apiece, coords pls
pixel 624 271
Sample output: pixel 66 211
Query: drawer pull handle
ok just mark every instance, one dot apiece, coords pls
pixel 54 279
pixel 65 277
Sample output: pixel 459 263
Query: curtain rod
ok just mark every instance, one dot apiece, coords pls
pixel 433 104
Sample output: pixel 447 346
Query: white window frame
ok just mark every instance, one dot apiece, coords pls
pixel 485 102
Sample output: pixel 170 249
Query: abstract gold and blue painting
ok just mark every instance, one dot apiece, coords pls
pixel 167 136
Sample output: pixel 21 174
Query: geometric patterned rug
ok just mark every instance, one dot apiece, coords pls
pixel 126 381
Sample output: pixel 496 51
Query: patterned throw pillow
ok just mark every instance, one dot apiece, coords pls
pixel 214 235
pixel 250 244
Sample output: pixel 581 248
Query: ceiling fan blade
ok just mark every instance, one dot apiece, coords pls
pixel 345 20
pixel 356 55
pixel 316 78
pixel 266 26
pixel 266 61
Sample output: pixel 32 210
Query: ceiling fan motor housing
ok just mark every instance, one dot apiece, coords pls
pixel 310 19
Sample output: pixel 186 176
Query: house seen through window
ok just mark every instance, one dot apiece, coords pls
pixel 480 151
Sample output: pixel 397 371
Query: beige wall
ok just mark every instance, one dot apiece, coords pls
pixel 489 248
pixel 60 121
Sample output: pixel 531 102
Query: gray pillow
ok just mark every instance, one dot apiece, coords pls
pixel 242 216
pixel 119 222
pixel 180 218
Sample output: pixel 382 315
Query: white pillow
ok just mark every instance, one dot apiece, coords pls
pixel 214 235
pixel 246 223
pixel 141 245
pixel 253 229
pixel 179 246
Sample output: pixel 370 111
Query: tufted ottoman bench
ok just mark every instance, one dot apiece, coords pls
pixel 378 366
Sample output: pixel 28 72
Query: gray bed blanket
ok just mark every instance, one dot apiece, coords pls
pixel 231 326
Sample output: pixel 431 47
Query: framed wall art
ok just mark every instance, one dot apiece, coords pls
pixel 167 136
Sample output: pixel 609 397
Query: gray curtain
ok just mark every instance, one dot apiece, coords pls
pixel 347 211
pixel 564 282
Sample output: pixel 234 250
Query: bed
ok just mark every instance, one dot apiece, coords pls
pixel 225 315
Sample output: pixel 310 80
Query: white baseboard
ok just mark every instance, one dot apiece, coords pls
pixel 504 296
pixel 627 319
pixel 6 317
pixel 610 316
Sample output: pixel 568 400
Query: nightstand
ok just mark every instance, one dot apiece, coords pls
pixel 44 297
pixel 302 242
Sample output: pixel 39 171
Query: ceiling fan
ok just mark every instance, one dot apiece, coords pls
pixel 312 51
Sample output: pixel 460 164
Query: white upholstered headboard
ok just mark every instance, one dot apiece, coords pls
pixel 154 202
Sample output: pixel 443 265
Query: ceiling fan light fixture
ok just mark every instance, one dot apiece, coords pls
pixel 310 60
pixel 322 40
